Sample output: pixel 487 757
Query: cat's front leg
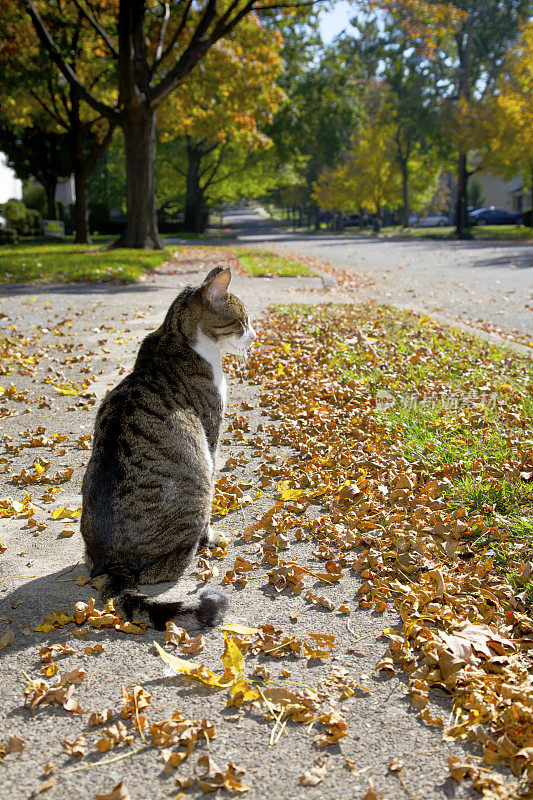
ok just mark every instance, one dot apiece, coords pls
pixel 214 537
pixel 210 538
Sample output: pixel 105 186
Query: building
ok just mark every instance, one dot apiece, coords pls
pixel 511 195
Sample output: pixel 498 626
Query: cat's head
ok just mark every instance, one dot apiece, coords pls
pixel 221 316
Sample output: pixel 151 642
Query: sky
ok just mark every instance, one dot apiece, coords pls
pixel 336 20
pixel 9 185
pixel 332 22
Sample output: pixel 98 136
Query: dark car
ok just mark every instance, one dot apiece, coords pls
pixel 489 215
pixel 351 219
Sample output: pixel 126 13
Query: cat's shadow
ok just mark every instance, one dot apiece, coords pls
pixel 27 605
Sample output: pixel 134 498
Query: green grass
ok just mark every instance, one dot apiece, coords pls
pixel 460 407
pixel 480 232
pixel 448 232
pixel 507 507
pixel 66 262
pixel 262 263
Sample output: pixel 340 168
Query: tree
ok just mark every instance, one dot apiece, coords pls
pixel 411 102
pixel 153 47
pixel 369 177
pixel 224 107
pixel 325 88
pixel 509 136
pixel 473 38
pixel 31 86
pixel 36 152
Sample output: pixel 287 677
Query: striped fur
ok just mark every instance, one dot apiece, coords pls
pixel 148 486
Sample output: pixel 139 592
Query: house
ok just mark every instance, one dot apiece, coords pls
pixel 511 195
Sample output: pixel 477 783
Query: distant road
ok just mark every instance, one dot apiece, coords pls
pixel 477 282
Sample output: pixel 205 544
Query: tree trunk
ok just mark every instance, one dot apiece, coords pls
pixel 194 200
pixel 406 212
pixel 50 188
pixel 141 222
pixel 317 218
pixel 81 219
pixel 462 185
pixel 82 208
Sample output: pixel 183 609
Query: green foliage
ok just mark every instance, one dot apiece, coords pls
pixel 474 195
pixel 34 196
pixel 24 220
pixel 325 90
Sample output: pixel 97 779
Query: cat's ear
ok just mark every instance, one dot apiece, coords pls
pixel 214 272
pixel 217 288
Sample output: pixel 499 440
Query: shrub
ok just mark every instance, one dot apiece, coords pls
pixel 34 196
pixel 23 220
pixel 528 217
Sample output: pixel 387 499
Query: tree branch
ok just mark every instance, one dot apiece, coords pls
pixel 215 168
pixel 65 69
pixel 177 33
pixel 287 5
pixel 162 32
pixel 98 149
pixel 98 28
pixel 198 46
pixel 49 111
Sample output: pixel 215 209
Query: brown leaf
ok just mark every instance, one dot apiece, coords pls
pixel 44 787
pixel 120 792
pixel 371 794
pixel 76 748
pixel 7 639
pixel 316 774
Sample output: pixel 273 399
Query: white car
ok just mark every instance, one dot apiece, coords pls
pixel 433 221
pixel 3 223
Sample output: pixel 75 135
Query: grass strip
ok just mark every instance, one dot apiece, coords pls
pixel 66 263
pixel 263 263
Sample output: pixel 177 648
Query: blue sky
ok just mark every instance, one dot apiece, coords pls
pixel 336 20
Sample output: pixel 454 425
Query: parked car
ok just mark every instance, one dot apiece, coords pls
pixel 351 219
pixel 490 215
pixel 432 221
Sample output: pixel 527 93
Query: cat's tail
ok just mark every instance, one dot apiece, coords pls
pixel 207 609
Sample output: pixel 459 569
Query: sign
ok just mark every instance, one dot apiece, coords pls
pixel 54 227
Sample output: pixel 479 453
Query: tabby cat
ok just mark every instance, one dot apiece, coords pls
pixel 148 486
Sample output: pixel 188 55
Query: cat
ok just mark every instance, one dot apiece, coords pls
pixel 148 486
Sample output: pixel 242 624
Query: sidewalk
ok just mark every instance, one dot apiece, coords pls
pixel 78 341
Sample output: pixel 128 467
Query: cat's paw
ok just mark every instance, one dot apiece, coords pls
pixel 214 537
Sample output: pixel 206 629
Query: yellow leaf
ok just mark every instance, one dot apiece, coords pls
pixel 65 388
pixel 232 658
pixel 280 368
pixel 39 469
pixel 289 494
pixel 198 671
pixel 236 627
pixel 58 619
pixel 66 513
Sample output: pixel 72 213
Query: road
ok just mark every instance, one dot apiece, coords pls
pixel 481 283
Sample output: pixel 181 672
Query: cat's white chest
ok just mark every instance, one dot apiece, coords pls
pixel 210 351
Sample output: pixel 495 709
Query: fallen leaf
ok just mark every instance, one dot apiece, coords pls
pixel 120 792
pixel 316 774
pixel 7 639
